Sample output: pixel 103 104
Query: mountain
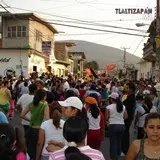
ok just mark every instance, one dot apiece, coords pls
pixel 103 54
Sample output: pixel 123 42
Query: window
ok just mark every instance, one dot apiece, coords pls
pixel 17 31
pixel 38 36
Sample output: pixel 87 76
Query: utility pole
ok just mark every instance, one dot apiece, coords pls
pixel 158 41
pixel 124 56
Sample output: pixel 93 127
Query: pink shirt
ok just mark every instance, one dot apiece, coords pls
pixel 92 153
pixel 21 156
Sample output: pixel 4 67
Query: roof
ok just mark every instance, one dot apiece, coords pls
pixel 82 53
pixel 68 44
pixel 22 16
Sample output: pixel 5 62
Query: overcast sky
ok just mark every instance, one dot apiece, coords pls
pixel 97 11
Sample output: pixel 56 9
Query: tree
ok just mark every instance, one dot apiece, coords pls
pixel 91 64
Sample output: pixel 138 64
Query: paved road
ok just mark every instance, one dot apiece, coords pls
pixel 16 122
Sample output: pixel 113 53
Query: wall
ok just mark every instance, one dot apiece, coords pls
pixel 59 69
pixel 16 57
pixel 47 35
pixel 14 42
pixel 145 70
pixel 37 61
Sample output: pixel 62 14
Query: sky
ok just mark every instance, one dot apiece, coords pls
pixel 97 13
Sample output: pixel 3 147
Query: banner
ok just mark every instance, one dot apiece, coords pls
pixel 110 67
pixel 46 47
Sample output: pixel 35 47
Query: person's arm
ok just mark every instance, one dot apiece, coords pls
pixel 24 113
pixel 133 150
pixel 40 143
pixel 107 114
pixel 46 113
pixel 8 92
pixel 125 114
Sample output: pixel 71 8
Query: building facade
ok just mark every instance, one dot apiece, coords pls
pixel 63 65
pixel 28 43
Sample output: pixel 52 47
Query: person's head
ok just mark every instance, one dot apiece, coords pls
pixel 75 131
pixel 139 98
pixel 114 98
pixel 91 104
pixel 69 93
pixel 32 88
pixel 59 88
pixel 130 88
pixel 55 113
pixel 40 95
pixel 152 126
pixel 40 84
pixel 71 106
pixel 7 141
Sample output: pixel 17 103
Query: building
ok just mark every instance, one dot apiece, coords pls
pixel 63 64
pixel 149 51
pixel 27 44
pixel 78 58
pixel 145 70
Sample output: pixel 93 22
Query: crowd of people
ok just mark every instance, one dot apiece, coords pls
pixel 68 118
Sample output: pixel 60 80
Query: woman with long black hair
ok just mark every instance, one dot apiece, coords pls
pixel 115 114
pixel 75 131
pixel 39 111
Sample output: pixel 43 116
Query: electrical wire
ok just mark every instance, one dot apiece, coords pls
pixel 80 21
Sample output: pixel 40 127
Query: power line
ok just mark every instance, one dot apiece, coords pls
pixel 79 20
pixel 101 30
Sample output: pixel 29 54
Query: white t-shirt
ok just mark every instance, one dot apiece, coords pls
pixel 94 124
pixel 115 117
pixel 51 133
pixel 141 120
pixel 24 101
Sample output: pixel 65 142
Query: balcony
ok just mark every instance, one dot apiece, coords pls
pixel 148 52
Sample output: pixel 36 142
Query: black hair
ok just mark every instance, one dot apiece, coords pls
pixel 131 86
pixel 69 93
pixel 7 138
pixel 39 95
pixel 139 97
pixel 26 84
pixel 32 88
pixel 119 104
pixel 154 115
pixel 75 130
pixel 148 102
pixel 94 110
pixel 94 95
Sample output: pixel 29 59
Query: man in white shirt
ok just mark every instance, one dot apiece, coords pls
pixel 23 102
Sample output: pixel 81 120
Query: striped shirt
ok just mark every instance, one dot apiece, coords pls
pixel 92 153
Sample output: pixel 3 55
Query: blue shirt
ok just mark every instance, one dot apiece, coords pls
pixel 3 118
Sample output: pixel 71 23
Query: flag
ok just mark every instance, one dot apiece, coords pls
pixel 110 67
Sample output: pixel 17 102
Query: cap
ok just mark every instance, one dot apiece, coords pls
pixel 72 102
pixel 90 100
pixel 114 95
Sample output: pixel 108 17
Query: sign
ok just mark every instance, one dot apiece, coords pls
pixel 133 11
pixel 5 60
pixel 46 47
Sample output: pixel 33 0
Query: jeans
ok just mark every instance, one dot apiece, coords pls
pixel 33 138
pixel 115 136
pixel 26 134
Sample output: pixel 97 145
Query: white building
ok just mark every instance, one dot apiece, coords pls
pixel 27 44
